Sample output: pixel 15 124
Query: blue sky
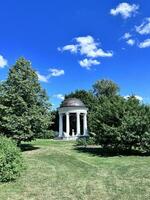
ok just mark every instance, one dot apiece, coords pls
pixel 73 43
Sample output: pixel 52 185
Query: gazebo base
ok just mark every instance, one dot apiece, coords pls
pixel 71 138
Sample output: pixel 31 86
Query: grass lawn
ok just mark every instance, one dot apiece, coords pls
pixel 56 171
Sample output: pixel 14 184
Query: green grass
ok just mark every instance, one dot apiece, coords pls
pixel 56 171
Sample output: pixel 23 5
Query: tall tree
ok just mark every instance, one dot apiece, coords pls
pixel 86 97
pixel 105 88
pixel 23 103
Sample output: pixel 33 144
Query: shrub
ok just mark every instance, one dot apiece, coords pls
pixel 11 163
pixel 50 134
pixel 122 124
pixel 91 141
pixel 81 142
pixel 84 141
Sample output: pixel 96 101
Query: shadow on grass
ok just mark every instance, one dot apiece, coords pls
pixel 28 147
pixel 98 151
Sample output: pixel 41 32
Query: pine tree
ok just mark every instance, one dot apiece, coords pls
pixel 24 107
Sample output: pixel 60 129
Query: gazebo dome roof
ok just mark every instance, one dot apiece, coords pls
pixel 72 102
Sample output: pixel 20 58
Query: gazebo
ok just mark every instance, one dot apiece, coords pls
pixel 72 119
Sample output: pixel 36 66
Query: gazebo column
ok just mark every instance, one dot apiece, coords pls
pixel 78 124
pixel 85 124
pixel 67 125
pixel 60 125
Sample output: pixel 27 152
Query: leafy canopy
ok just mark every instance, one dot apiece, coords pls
pixel 115 122
pixel 24 107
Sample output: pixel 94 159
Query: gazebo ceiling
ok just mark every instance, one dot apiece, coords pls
pixel 72 102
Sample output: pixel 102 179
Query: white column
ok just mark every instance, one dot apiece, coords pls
pixel 67 125
pixel 78 123
pixel 60 125
pixel 85 125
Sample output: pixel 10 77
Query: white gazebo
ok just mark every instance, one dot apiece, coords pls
pixel 72 119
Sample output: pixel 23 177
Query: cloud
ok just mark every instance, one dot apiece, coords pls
pixel 139 98
pixel 42 78
pixel 144 28
pixel 53 72
pixel 145 44
pixel 130 42
pixel 56 72
pixel 3 62
pixel 90 48
pixel 59 96
pixel 88 63
pixel 136 96
pixel 126 10
pixel 127 36
pixel 72 48
pixel 86 46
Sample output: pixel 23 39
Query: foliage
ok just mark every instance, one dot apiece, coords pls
pixel 24 106
pixel 81 142
pixel 122 124
pixel 86 97
pixel 113 121
pixel 84 141
pixel 55 121
pixel 136 126
pixel 105 88
pixel 49 134
pixel 11 163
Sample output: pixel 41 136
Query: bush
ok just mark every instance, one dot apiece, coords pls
pixel 84 141
pixel 11 163
pixel 48 135
pixel 122 124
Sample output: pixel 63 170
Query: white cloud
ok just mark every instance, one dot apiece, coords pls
pixel 88 63
pixel 127 36
pixel 72 48
pixel 59 96
pixel 90 48
pixel 145 44
pixel 144 28
pixel 139 98
pixel 86 46
pixel 130 42
pixel 136 96
pixel 56 72
pixel 126 10
pixel 42 78
pixel 3 62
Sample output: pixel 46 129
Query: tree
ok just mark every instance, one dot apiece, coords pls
pixel 106 121
pixel 136 126
pixel 86 97
pixel 106 88
pixel 24 107
pixel 122 124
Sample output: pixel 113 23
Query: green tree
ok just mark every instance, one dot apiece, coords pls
pixel 122 124
pixel 106 121
pixel 86 97
pixel 24 107
pixel 136 125
pixel 106 88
